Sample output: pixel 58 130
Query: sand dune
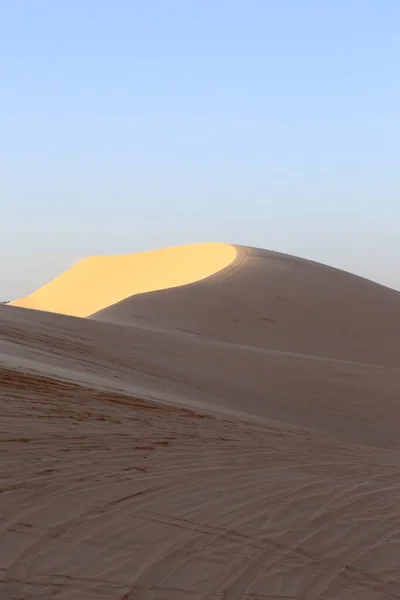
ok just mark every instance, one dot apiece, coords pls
pixel 98 281
pixel 235 438
pixel 273 300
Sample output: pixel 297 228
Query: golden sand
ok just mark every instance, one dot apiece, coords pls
pixel 100 281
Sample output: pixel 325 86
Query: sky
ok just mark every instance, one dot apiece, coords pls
pixel 130 125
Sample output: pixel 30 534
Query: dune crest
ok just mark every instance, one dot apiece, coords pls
pixel 270 300
pixel 97 282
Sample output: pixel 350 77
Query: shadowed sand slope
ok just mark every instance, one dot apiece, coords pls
pixel 157 465
pixel 272 300
pixel 98 281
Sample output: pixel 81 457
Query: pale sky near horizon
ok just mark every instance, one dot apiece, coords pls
pixel 133 125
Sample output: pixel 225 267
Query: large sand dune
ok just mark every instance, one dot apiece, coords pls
pixel 272 300
pixel 98 281
pixel 235 438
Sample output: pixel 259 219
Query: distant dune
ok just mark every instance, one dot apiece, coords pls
pixel 272 300
pixel 225 425
pixel 98 281
pixel 235 294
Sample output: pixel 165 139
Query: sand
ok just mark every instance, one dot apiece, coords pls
pixel 234 438
pixel 99 281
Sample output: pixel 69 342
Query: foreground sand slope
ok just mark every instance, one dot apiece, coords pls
pixel 272 300
pixel 98 281
pixel 163 466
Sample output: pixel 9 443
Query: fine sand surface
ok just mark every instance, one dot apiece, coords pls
pixel 98 281
pixel 233 438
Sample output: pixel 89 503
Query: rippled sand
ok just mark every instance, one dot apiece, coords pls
pixel 236 438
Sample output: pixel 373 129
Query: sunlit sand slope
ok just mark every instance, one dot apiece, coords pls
pixel 99 281
pixel 272 300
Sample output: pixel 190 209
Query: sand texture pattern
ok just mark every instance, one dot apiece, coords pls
pixel 231 438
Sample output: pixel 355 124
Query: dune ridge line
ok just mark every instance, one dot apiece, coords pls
pixel 97 282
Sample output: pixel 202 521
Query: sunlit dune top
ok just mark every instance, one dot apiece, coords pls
pixel 100 281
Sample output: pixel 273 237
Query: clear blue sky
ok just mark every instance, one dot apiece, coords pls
pixel 131 125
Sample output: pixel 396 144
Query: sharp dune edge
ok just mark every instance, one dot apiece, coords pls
pixel 99 281
pixel 224 426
